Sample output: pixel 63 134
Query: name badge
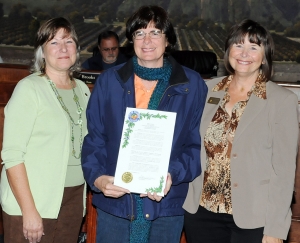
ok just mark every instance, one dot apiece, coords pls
pixel 213 100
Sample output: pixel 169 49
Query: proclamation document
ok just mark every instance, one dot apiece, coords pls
pixel 145 149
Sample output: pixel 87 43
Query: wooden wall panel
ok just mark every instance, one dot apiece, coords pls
pixel 91 220
pixel 294 234
pixel 9 76
pixel 296 205
pixel 1 126
pixel 1 136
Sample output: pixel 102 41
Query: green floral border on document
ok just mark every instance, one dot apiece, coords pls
pixel 157 189
pixel 131 123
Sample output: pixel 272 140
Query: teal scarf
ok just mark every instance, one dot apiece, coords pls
pixel 140 227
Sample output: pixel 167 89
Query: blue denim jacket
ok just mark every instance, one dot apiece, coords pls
pixel 113 92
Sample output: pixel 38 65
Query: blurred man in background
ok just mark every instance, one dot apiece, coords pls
pixel 109 56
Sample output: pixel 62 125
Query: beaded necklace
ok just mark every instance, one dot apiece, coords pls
pixel 73 123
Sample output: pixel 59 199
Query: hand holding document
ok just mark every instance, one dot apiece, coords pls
pixel 145 149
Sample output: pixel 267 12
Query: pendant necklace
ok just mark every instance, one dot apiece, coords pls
pixel 73 123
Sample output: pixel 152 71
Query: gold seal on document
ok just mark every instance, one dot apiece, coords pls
pixel 127 177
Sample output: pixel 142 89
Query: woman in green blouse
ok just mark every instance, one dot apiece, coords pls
pixel 42 185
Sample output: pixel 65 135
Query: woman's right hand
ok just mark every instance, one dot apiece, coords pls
pixel 32 221
pixel 270 239
pixel 33 229
pixel 106 185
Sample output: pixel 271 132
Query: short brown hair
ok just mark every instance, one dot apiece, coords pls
pixel 158 16
pixel 256 34
pixel 46 33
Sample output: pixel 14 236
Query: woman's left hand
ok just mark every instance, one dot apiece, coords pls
pixel 154 196
pixel 270 239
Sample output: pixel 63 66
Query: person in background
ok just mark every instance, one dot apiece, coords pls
pixel 42 187
pixel 150 80
pixel 249 131
pixel 108 44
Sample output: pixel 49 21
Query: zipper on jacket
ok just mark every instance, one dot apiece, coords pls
pixel 131 217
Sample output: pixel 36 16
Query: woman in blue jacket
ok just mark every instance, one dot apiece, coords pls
pixel 150 80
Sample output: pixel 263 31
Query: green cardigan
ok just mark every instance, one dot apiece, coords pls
pixel 37 133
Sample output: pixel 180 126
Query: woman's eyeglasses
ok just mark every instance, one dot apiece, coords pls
pixel 154 34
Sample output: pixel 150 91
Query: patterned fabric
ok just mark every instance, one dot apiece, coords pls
pixel 151 74
pixel 258 89
pixel 216 193
pixel 140 227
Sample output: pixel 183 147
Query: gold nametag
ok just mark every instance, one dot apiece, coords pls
pixel 127 177
pixel 213 100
